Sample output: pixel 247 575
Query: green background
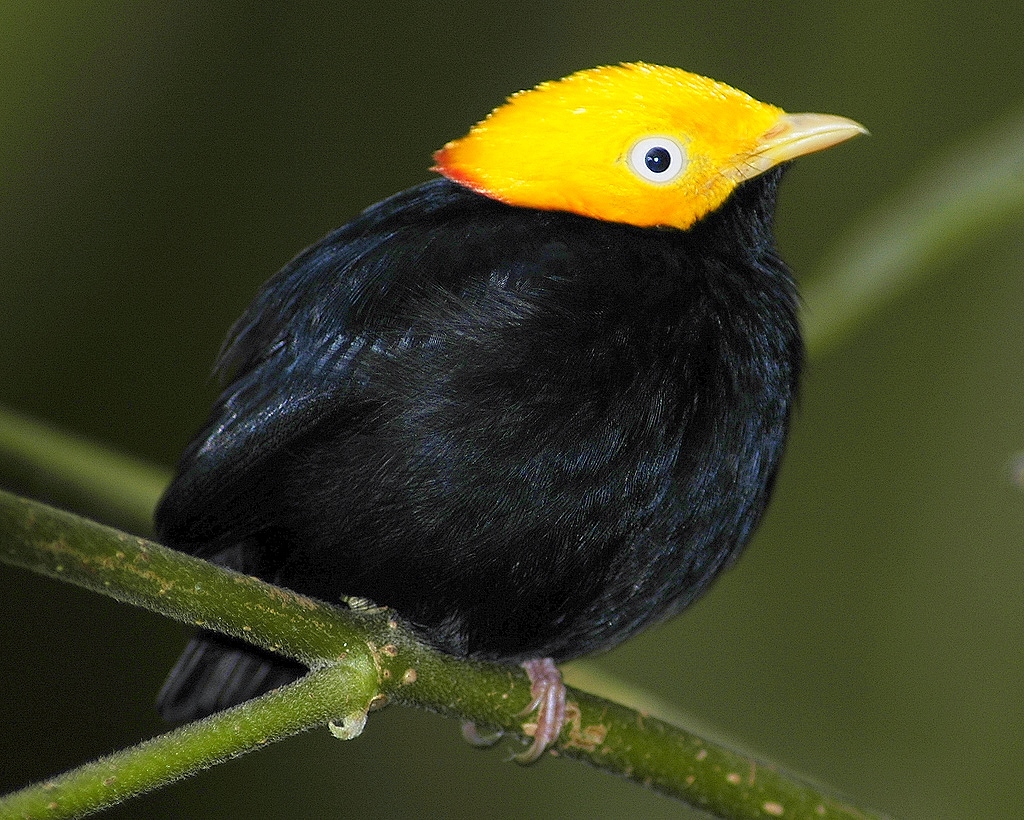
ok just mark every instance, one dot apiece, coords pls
pixel 158 161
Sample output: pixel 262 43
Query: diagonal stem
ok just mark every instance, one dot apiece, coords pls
pixel 338 692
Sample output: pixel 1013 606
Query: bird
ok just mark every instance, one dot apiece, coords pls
pixel 533 405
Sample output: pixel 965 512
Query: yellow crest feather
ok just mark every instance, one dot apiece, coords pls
pixel 566 145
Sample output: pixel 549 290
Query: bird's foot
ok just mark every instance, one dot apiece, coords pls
pixel 548 702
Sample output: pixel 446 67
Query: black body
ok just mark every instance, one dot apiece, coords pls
pixel 530 432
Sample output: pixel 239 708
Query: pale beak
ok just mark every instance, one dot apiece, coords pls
pixel 793 136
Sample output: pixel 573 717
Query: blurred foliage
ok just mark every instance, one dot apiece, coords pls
pixel 159 161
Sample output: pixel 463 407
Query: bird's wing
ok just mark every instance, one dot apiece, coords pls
pixel 296 352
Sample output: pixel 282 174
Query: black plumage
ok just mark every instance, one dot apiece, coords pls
pixel 532 433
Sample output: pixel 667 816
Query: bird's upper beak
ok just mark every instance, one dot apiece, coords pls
pixel 792 136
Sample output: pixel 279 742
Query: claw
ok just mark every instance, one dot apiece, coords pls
pixel 548 702
pixel 474 738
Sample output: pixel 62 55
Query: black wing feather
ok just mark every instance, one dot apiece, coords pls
pixel 293 355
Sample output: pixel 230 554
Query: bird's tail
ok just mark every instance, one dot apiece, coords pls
pixel 215 672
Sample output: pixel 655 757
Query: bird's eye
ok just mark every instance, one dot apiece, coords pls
pixel 657 159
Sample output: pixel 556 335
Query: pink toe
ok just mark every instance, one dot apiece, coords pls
pixel 548 702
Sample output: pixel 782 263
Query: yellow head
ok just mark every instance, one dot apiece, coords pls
pixel 636 143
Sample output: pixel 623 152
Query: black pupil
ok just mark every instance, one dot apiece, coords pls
pixel 658 160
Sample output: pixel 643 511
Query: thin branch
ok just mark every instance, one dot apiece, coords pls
pixel 136 571
pixel 79 474
pixel 950 204
pixel 362 660
pixel 319 697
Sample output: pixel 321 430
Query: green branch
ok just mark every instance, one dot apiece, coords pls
pixel 361 660
pixel 319 697
pixel 78 473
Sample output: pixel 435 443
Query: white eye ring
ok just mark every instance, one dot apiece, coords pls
pixel 657 159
